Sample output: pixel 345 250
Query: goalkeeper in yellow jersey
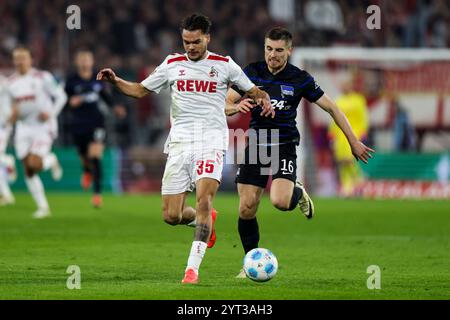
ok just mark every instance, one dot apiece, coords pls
pixel 354 106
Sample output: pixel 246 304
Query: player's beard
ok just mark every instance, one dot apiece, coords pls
pixel 277 64
pixel 23 69
pixel 198 55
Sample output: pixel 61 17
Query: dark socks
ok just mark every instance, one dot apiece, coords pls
pixel 86 163
pixel 249 232
pixel 97 175
pixel 86 169
pixel 296 195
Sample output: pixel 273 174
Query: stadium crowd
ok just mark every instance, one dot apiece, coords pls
pixel 133 36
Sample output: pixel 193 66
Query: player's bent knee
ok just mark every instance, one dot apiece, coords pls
pixel 33 164
pixel 172 212
pixel 173 220
pixel 280 203
pixel 247 211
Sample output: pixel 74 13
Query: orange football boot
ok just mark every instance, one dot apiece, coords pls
pixel 190 277
pixel 97 200
pixel 212 238
pixel 86 180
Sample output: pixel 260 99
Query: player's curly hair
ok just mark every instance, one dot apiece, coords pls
pixel 279 33
pixel 196 22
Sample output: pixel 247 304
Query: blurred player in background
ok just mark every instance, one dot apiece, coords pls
pixel 198 138
pixel 7 163
pixel 354 106
pixel 286 85
pixel 37 100
pixel 88 123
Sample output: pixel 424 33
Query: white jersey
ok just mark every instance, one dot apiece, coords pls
pixel 5 104
pixel 198 90
pixel 35 92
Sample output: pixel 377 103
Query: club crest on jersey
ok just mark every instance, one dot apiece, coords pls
pixel 181 72
pixel 97 87
pixel 213 72
pixel 287 91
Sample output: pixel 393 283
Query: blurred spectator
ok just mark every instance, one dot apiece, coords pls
pixel 324 15
pixel 123 30
pixel 354 106
pixel 324 20
pixel 443 170
pixel 282 10
pixel 404 133
pixel 439 24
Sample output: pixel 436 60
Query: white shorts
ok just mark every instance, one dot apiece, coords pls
pixel 5 132
pixel 32 140
pixel 185 167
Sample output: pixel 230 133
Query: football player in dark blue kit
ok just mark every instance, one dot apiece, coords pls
pixel 286 86
pixel 87 120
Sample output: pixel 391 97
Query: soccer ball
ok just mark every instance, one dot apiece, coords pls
pixel 260 265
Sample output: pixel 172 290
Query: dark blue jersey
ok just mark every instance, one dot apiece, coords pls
pixel 285 89
pixel 88 116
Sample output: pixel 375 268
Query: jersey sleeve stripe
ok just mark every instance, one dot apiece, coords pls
pixel 316 95
pixel 218 58
pixel 182 58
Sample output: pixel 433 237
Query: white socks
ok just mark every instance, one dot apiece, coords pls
pixel 198 250
pixel 37 191
pixel 193 223
pixel 48 161
pixel 5 191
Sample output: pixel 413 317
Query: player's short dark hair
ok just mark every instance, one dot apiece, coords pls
pixel 81 50
pixel 196 22
pixel 279 33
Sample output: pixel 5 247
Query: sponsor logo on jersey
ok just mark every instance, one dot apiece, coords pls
pixel 25 98
pixel 90 97
pixel 279 104
pixel 287 90
pixel 181 73
pixel 196 86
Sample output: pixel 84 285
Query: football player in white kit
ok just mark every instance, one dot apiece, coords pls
pixel 35 114
pixel 7 162
pixel 198 81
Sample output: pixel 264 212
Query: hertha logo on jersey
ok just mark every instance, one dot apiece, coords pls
pixel 287 91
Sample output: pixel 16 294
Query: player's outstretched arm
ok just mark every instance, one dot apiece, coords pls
pixel 359 149
pixel 132 89
pixel 262 98
pixel 233 105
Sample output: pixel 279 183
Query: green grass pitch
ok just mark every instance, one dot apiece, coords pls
pixel 125 251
